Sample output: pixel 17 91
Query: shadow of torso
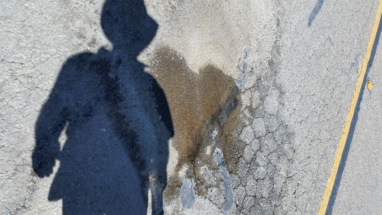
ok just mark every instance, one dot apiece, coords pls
pixel 117 126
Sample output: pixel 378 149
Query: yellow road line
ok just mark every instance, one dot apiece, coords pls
pixel 349 117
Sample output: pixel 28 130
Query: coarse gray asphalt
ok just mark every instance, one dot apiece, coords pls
pixel 360 189
pixel 319 72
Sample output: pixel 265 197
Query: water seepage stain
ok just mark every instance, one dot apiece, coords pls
pixel 199 103
pixel 187 193
pixel 229 197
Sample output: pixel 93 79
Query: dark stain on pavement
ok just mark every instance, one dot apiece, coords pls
pixel 315 11
pixel 199 102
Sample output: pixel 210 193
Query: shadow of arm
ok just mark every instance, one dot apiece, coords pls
pixel 49 125
pixel 51 121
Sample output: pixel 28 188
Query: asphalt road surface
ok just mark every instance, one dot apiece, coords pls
pixel 359 190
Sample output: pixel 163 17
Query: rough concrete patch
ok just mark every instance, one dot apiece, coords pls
pixel 271 102
pixel 255 145
pixel 207 176
pixel 235 181
pixel 242 168
pixel 271 122
pixel 269 144
pixel 260 173
pixel 261 158
pixel 250 187
pixel 248 202
pixel 248 153
pixel 216 196
pixel 259 127
pixel 246 117
pixel 259 112
pixel 255 99
pixel 239 195
pixel 246 79
pixel 247 135
pixel 264 188
pixel 246 99
pixel 273 158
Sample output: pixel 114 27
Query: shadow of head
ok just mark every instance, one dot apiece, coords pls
pixel 127 25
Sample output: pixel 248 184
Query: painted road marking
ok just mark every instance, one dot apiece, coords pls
pixel 369 85
pixel 345 131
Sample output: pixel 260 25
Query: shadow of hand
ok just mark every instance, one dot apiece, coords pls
pixel 44 158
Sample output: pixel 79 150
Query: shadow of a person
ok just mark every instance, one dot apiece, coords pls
pixel 116 119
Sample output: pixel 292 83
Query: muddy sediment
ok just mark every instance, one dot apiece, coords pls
pixel 199 103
